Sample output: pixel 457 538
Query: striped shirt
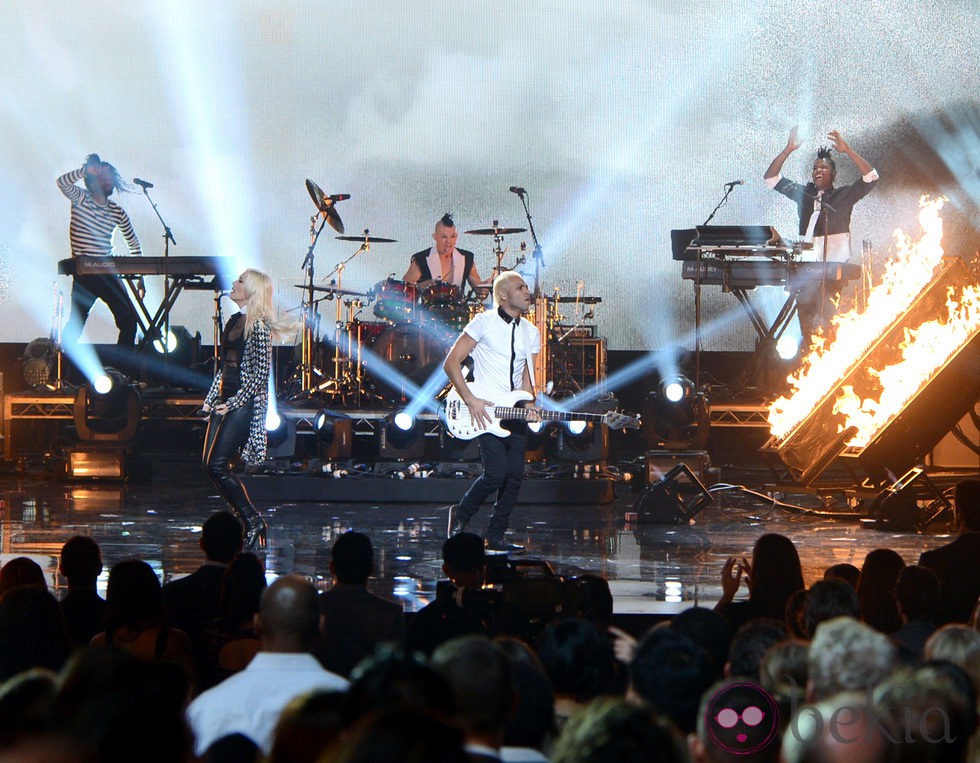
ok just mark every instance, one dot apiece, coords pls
pixel 91 227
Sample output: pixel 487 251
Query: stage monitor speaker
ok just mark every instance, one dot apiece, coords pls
pixel 896 508
pixel 676 499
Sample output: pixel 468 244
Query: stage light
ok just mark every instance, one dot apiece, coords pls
pixel 577 427
pixel 272 420
pixel 107 408
pixel 589 445
pixel 535 427
pixel 334 435
pixel 183 348
pixel 539 437
pixel 787 347
pixel 39 360
pixel 277 430
pixel 404 421
pixel 401 436
pixel 675 415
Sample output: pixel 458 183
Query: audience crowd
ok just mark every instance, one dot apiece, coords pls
pixel 877 663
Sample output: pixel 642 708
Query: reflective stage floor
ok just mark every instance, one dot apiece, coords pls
pixel 652 569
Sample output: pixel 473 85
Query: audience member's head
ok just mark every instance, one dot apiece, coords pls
pixel 25 705
pixel 958 644
pixel 847 655
pixel 405 734
pixel 795 616
pixel 221 537
pixel 876 590
pixel 133 597
pixel 241 589
pixel 232 748
pixel 750 644
pixel 966 503
pixel 709 630
pixel 289 615
pixel 843 728
pixel 613 730
pixel 81 562
pixel 21 571
pixel 826 600
pixel 776 574
pixel 931 710
pixel 352 558
pixel 578 659
pixel 669 672
pixel 392 679
pixel 843 571
pixel 783 673
pixel 308 725
pixel 464 559
pixel 533 723
pixel 120 708
pixel 917 592
pixel 478 675
pixel 32 632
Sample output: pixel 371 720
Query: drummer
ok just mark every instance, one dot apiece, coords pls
pixel 443 261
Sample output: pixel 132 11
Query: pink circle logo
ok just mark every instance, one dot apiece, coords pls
pixel 741 718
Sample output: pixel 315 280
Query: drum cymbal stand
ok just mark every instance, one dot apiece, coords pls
pixel 58 384
pixel 344 384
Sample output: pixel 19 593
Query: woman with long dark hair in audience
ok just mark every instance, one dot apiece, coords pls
pixel 134 618
pixel 238 400
pixel 231 639
pixel 876 590
pixel 774 575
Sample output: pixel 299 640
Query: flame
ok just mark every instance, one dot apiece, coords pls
pixel 924 351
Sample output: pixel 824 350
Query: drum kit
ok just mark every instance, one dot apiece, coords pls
pixel 414 324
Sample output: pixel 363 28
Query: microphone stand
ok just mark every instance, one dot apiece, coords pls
pixel 306 363
pixel 168 238
pixel 537 254
pixel 697 292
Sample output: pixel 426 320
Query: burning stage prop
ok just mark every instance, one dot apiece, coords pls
pixel 892 379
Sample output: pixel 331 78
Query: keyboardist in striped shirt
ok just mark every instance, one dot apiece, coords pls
pixel 94 219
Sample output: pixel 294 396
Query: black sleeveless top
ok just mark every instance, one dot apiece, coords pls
pixel 422 260
pixel 232 348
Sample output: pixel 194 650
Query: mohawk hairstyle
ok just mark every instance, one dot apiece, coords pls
pixel 824 153
pixel 447 220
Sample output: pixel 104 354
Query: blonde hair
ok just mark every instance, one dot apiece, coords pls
pixel 259 307
pixel 502 282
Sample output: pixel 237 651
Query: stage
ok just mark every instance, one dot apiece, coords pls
pixel 653 569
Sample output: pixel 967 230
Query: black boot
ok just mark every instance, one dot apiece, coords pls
pixel 256 529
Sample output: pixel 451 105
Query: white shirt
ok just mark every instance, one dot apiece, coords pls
pixel 251 701
pixel 492 354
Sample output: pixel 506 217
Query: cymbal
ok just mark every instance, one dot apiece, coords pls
pixel 494 231
pixel 326 207
pixel 331 289
pixel 368 239
pixel 582 300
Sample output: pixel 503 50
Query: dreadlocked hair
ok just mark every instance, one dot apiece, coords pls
pixel 824 153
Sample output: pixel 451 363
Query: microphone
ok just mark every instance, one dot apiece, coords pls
pixel 144 184
pixel 734 183
pixel 337 197
pixel 518 190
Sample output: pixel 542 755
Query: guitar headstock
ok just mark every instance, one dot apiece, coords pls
pixel 617 420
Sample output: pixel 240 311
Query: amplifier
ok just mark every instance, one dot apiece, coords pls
pixel 577 361
pixel 574 332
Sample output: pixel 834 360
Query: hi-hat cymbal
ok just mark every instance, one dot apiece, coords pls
pixel 367 239
pixel 325 205
pixel 331 290
pixel 494 231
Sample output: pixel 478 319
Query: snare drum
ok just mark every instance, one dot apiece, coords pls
pixel 395 300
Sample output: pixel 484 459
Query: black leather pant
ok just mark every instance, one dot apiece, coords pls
pixel 222 441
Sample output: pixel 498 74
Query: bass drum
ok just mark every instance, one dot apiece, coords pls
pixel 409 354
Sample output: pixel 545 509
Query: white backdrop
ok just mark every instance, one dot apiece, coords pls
pixel 623 120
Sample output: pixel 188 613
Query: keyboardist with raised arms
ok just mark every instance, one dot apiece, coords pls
pixel 825 218
pixel 94 218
